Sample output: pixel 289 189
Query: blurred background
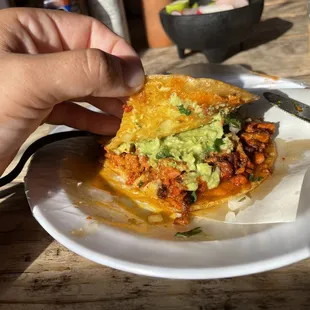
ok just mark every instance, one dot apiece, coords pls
pixel 126 18
pixel 235 36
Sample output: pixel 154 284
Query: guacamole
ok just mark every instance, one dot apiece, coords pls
pixel 190 147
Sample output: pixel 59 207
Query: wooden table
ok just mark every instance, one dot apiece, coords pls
pixel 38 273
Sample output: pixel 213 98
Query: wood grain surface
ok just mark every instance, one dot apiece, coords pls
pixel 36 272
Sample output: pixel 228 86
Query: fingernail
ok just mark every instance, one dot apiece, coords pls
pixel 133 73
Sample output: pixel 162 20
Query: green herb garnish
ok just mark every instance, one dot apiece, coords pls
pixel 217 144
pixel 209 149
pixel 164 153
pixel 278 102
pixel 189 233
pixel 137 124
pixel 252 178
pixel 194 196
pixel 183 110
pixel 232 120
pixel 242 199
pixel 140 183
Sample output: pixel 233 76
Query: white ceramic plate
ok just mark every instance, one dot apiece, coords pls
pixel 264 247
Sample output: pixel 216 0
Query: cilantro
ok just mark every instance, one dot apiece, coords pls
pixel 164 153
pixel 232 120
pixel 140 183
pixel 189 233
pixel 217 144
pixel 137 124
pixel 209 149
pixel 235 123
pixel 252 178
pixel 183 110
pixel 194 196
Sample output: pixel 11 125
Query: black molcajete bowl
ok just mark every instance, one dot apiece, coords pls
pixel 214 34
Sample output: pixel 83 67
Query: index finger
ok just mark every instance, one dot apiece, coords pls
pixel 46 31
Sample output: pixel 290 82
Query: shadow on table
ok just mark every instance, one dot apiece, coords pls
pixel 22 239
pixel 267 31
pixel 264 32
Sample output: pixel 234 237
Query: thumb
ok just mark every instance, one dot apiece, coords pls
pixel 80 73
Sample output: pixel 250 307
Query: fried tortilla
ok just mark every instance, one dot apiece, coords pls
pixel 170 104
pixel 181 147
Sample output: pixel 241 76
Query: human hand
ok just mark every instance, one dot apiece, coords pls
pixel 49 59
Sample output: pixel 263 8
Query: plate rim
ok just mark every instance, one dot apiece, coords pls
pixel 205 273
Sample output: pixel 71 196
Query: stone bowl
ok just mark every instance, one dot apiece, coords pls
pixel 214 34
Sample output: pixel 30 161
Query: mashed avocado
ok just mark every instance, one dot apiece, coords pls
pixel 185 106
pixel 190 147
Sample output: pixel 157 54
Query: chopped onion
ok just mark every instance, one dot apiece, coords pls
pixel 176 13
pixel 241 3
pixel 192 11
pixel 205 9
pixel 155 218
pixel 175 215
pixel 233 129
pixel 235 3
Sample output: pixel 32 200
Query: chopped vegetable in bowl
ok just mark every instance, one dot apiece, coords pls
pixel 183 7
